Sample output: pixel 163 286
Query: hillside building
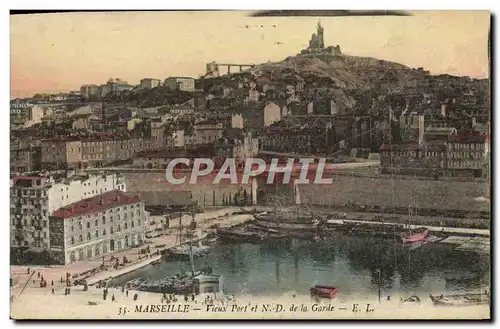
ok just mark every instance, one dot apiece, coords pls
pixel 180 83
pixel 149 83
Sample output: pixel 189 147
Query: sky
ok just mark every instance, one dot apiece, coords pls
pixel 60 52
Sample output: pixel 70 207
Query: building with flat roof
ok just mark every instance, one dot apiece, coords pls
pixel 97 226
pixel 34 197
pixel 180 83
pixel 148 83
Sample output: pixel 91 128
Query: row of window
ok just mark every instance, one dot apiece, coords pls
pixel 467 146
pixel 103 218
pixel 111 231
pixel 110 211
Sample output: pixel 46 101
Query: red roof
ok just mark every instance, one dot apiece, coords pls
pixel 96 204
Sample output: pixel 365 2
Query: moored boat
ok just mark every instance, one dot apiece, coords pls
pixel 184 251
pixel 239 235
pixel 412 236
pixel 324 291
pixel 460 300
pixel 271 221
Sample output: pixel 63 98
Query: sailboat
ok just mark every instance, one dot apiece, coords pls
pixel 287 222
pixel 412 236
pixel 183 251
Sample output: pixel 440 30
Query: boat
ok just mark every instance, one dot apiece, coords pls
pixel 417 235
pixel 320 291
pixel 462 277
pixel 182 252
pixel 460 300
pixel 239 235
pixel 287 223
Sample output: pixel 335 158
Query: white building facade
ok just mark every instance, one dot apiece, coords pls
pixel 34 198
pixel 97 226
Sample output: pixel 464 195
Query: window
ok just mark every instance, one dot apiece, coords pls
pixel 118 229
pixel 72 240
pixel 111 230
pixel 72 228
pixel 97 233
pixel 96 222
pixel 132 224
pixel 81 238
pixel 103 220
pixel 88 236
pixel 104 232
pixel 126 226
pixel 88 224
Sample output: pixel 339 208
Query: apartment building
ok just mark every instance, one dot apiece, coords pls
pixel 35 196
pixel 148 83
pixel 180 83
pixel 97 226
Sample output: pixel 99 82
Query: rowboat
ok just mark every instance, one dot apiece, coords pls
pixel 324 291
pixel 414 236
pixel 460 300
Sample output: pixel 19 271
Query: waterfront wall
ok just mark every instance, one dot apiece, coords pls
pixel 377 191
pixel 387 192
pixel 204 192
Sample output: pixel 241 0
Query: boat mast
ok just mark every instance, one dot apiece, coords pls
pixel 191 258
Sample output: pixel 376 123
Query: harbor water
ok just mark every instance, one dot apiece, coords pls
pixel 357 266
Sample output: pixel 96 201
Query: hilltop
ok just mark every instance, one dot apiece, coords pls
pixel 352 81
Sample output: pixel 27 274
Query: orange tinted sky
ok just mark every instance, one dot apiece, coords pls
pixel 60 52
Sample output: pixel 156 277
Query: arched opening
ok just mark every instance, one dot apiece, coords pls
pixel 97 250
pixel 112 245
pixel 81 255
pixel 72 257
pixel 89 252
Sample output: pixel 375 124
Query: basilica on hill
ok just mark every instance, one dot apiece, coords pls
pixel 317 44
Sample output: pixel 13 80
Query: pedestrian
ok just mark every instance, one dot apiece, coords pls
pixel 61 279
pixel 69 291
pixel 53 291
pixel 51 282
pixel 65 291
pixel 123 289
pixel 136 296
pixel 185 298
pixel 28 270
pixel 126 292
pixel 42 278
pixel 38 274
pixel 113 298
pixel 192 297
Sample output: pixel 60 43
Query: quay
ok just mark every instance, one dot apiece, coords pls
pixel 159 245
pixel 457 231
